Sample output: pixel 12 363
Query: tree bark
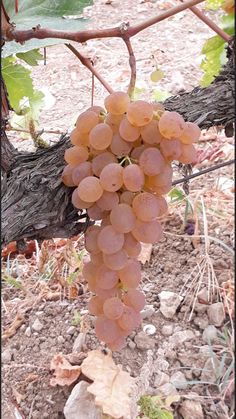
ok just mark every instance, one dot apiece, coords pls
pixel 35 203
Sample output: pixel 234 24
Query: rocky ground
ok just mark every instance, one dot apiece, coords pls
pixel 185 343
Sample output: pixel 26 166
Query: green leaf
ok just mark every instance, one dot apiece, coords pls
pixel 160 95
pixel 54 14
pixel 214 4
pixel 30 57
pixel 176 194
pixel 227 23
pixel 215 57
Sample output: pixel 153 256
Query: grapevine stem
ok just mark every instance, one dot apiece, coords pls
pixel 132 63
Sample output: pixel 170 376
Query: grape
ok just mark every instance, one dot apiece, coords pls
pixel 135 299
pixel 67 175
pixel 77 138
pixel 91 236
pixel 131 246
pixel 104 294
pixel 171 124
pixel 114 121
pixel 130 275
pixel 106 221
pixel 89 273
pixel 164 178
pixel 96 213
pixel 90 189
pixel 96 258
pixel 111 177
pixel 133 178
pixel 151 161
pixel 81 171
pixel 161 189
pixel 117 103
pixel 150 133
pixel 126 197
pixel 117 344
pixel 100 136
pixel 109 241
pixel 106 278
pixel 119 147
pixel 106 330
pixel 190 133
pixel 162 205
pixel 101 161
pixel 116 261
pixel 189 154
pixel 97 109
pixel 108 200
pixel 146 206
pixel 113 308
pixel 130 319
pixel 76 155
pixel 171 149
pixel 79 203
pixel 137 151
pixel 128 131
pixel 95 306
pixel 86 121
pixel 122 218
pixel 147 232
pixel 140 113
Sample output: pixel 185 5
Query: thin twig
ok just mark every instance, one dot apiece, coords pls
pixel 87 63
pixel 132 63
pixel 202 172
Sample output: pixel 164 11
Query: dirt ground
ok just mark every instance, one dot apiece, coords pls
pixel 45 320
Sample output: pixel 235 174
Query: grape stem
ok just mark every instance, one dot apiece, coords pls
pixel 132 63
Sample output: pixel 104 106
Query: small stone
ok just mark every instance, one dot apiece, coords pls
pixel 205 350
pixel 131 344
pixel 161 378
pixel 210 334
pixel 167 330
pixel 6 356
pixel 28 332
pixel 200 308
pixel 168 389
pixel 71 330
pixel 143 341
pixel 169 302
pixel 147 312
pixel 201 322
pixel 149 329
pixel 37 326
pixel 180 337
pixel 60 340
pixel 79 342
pixel 81 404
pixel 210 370
pixel 179 381
pixel 203 296
pixel 216 314
pixel 191 409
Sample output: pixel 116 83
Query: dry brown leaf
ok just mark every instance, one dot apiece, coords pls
pixel 64 373
pixel 145 253
pixel 17 322
pixel 111 386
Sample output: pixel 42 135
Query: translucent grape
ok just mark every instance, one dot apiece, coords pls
pixel 81 171
pixel 96 109
pixel 128 132
pixel 96 258
pixel 117 103
pixel 147 232
pixel 116 261
pixel 106 330
pixel 135 299
pixel 106 278
pixel 96 213
pixel 130 275
pixel 126 197
pixel 77 138
pixel 111 177
pixel 137 151
pixel 100 136
pixel 86 121
pixel 76 155
pixel 113 308
pixel 122 218
pixel 146 206
pixel 89 272
pixel 90 189
pixel 150 133
pixel 117 344
pixel 151 161
pixel 133 178
pixel 131 246
pixel 162 205
pixel 171 124
pixel 104 294
pixel 140 113
pixel 164 178
pixel 95 306
pixel 190 133
pixel 79 203
pixel 130 319
pixel 171 149
pixel 188 155
pixel 67 175
pixel 109 241
pixel 114 121
pixel 120 147
pixel 101 161
pixel 108 200
pixel 91 236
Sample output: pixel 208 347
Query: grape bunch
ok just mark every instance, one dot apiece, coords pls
pixel 120 164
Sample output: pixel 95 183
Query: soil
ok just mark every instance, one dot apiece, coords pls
pixel 41 296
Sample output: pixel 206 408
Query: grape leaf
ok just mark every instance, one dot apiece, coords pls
pixel 54 14
pixel 30 57
pixel 160 95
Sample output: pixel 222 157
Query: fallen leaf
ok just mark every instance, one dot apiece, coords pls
pixel 64 373
pixel 145 253
pixel 111 386
pixel 17 322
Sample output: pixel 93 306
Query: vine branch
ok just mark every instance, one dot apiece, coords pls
pixel 132 63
